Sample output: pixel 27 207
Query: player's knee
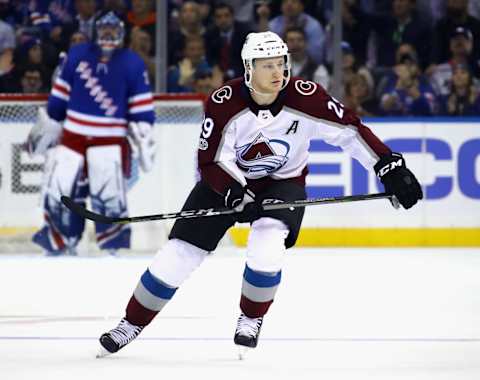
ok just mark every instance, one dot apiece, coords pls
pixel 175 261
pixel 266 245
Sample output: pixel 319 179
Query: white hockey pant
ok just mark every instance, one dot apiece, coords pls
pixel 263 270
pixel 177 259
pixel 172 265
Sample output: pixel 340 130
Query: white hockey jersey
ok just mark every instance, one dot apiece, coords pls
pixel 248 143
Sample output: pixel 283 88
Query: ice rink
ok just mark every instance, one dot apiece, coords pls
pixel 339 314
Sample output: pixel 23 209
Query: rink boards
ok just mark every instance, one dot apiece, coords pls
pixel 445 155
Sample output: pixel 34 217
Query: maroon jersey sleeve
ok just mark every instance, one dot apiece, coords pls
pixel 311 99
pixel 216 162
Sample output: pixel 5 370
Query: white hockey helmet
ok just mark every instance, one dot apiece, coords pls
pixel 264 45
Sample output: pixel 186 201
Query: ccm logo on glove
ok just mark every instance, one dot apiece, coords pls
pixel 390 166
pixel 398 179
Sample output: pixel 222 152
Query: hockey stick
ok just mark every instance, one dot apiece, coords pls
pixel 200 213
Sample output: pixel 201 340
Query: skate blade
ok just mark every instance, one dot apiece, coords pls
pixel 102 352
pixel 243 352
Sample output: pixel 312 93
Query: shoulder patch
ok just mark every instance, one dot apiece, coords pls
pixel 222 94
pixel 305 87
pixel 203 144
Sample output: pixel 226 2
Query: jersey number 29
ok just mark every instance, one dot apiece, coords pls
pixel 207 128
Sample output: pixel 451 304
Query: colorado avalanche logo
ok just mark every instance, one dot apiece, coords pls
pixel 262 156
pixel 305 87
pixel 222 94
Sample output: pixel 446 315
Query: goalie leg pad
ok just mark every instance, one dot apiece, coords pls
pixel 265 257
pixel 62 176
pixel 108 194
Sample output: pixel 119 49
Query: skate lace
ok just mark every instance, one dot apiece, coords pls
pixel 248 326
pixel 125 332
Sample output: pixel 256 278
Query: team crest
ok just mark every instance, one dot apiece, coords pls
pixel 222 94
pixel 262 156
pixel 305 87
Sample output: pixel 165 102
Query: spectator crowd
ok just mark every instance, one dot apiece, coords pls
pixel 400 57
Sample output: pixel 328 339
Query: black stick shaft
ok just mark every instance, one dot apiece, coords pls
pixel 317 201
pixel 200 213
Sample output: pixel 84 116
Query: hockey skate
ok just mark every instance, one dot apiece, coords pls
pixel 247 333
pixel 117 338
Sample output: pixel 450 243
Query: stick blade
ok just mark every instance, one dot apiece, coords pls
pixel 84 213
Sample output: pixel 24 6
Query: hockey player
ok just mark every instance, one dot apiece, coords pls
pixel 102 96
pixel 253 150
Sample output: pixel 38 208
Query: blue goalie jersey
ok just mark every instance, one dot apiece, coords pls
pixel 98 98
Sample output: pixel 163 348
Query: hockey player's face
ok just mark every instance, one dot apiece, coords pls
pixel 107 32
pixel 109 37
pixel 267 74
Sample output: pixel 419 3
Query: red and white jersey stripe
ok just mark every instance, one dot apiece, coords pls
pixel 140 103
pixel 61 90
pixel 96 126
pixel 98 98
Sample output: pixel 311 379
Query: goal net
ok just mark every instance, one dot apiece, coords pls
pixel 164 189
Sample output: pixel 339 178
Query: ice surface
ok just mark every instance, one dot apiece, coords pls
pixel 339 314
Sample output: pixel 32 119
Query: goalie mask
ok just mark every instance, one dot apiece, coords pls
pixel 109 32
pixel 264 45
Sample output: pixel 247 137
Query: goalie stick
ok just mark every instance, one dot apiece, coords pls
pixel 200 213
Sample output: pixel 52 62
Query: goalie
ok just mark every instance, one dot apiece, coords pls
pixel 102 97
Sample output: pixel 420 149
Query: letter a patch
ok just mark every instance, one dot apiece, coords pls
pixel 293 127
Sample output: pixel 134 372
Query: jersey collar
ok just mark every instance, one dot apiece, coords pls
pixel 274 108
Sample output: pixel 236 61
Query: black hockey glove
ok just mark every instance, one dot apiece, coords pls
pixel 398 179
pixel 251 212
pixel 243 200
pixel 234 195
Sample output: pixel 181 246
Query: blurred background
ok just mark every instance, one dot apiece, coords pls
pixel 409 68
